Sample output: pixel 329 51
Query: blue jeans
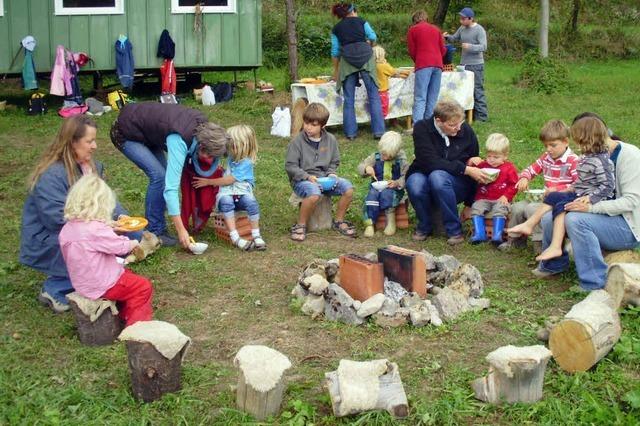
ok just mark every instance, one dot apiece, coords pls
pixel 443 188
pixel 229 204
pixel 305 188
pixel 378 200
pixel 590 233
pixel 349 110
pixel 480 111
pixel 154 164
pixel 58 288
pixel 426 90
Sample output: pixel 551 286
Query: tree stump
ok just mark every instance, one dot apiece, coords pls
pixel 361 386
pixel 260 380
pixel 153 375
pixel 623 284
pixel 321 218
pixel 102 330
pixel 587 333
pixel 155 351
pixel 516 374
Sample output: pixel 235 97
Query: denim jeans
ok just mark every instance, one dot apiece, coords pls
pixel 229 204
pixel 154 164
pixel 305 188
pixel 377 201
pixel 590 233
pixel 444 189
pixel 480 111
pixel 426 90
pixel 58 288
pixel 349 110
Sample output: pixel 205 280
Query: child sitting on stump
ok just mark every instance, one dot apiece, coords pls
pixel 389 164
pixel 89 246
pixel 312 154
pixel 494 197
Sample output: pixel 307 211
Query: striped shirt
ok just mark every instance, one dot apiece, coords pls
pixel 559 173
pixel 595 177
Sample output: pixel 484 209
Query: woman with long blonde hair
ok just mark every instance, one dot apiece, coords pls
pixel 67 159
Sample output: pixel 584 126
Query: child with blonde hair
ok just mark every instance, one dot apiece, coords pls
pixel 389 164
pixel 494 198
pixel 90 246
pixel 384 70
pixel 236 186
pixel 595 182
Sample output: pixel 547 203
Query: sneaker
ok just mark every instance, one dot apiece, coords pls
pixel 47 300
pixel 538 273
pixel 455 240
pixel 513 243
pixel 419 236
pixel 167 240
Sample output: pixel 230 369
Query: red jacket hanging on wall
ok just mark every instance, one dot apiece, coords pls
pixel 168 77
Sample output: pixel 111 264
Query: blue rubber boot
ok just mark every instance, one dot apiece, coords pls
pixel 498 228
pixel 479 232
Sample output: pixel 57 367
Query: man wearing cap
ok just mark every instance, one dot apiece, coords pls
pixel 473 40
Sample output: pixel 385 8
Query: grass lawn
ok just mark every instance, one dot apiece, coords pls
pixel 48 377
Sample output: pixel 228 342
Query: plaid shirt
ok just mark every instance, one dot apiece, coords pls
pixel 559 174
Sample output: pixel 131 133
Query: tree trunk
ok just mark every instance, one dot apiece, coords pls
pixel 516 375
pixel 623 284
pixel 544 28
pixel 441 12
pixel 259 404
pixel 102 331
pixel 153 375
pixel 587 333
pixel 573 21
pixel 292 39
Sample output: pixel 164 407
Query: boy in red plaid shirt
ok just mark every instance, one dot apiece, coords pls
pixel 494 198
pixel 558 168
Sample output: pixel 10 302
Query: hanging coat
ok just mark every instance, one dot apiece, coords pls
pixel 72 85
pixel 29 79
pixel 59 74
pixel 168 77
pixel 124 62
pixel 166 46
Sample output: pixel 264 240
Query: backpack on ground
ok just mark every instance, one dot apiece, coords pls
pixel 117 99
pixel 223 92
pixel 37 104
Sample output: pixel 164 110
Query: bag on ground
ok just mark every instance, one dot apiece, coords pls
pixel 281 122
pixel 208 97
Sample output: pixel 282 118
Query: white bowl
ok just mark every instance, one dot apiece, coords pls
pixel 198 248
pixel 380 185
pixel 535 195
pixel 493 173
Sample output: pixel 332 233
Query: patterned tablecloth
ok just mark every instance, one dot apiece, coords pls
pixel 456 85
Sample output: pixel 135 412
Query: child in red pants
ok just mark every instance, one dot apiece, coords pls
pixel 89 246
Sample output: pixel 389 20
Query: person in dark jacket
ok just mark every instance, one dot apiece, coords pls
pixel 144 132
pixel 443 172
pixel 68 158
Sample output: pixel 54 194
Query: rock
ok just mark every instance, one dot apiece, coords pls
pixel 450 304
pixel 371 256
pixel 389 307
pixel 394 290
pixel 313 306
pixel 371 305
pixel 435 316
pixel 410 300
pixel 317 266
pixel 331 270
pixel 446 262
pixel 624 256
pixel 479 304
pixel 316 284
pixel 435 290
pixel 420 314
pixel 357 304
pixel 299 292
pixel 543 334
pixel 390 321
pixel 439 278
pixel 429 260
pixel 339 306
pixel 466 280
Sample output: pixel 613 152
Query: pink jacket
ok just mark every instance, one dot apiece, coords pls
pixel 60 75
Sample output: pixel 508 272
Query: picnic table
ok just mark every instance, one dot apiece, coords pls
pixel 457 85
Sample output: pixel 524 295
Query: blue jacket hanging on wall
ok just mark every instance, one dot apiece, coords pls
pixel 124 62
pixel 29 78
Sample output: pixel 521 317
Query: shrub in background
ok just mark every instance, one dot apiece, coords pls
pixel 545 75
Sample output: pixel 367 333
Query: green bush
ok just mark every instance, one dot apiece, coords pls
pixel 545 75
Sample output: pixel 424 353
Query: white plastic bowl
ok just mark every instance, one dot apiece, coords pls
pixel 198 248
pixel 493 173
pixel 535 195
pixel 380 185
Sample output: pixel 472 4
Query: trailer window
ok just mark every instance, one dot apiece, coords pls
pixel 209 6
pixel 89 7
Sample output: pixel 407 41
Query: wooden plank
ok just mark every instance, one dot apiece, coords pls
pixel 18 27
pixel 213 39
pixel 137 28
pixel 230 39
pixel 101 43
pixel 41 31
pixel 9 49
pixel 175 25
pixel 156 22
pixel 247 19
pixel 79 33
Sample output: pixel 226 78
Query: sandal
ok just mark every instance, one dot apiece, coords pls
pixel 345 228
pixel 259 243
pixel 244 245
pixel 298 232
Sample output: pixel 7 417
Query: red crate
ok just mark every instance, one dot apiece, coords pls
pixel 243 226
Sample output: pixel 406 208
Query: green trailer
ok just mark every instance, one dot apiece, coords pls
pixel 226 35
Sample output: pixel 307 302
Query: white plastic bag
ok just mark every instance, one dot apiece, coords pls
pixel 208 98
pixel 281 122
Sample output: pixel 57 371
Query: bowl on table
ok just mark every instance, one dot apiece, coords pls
pixel 327 183
pixel 380 185
pixel 198 248
pixel 460 68
pixel 493 173
pixel 534 195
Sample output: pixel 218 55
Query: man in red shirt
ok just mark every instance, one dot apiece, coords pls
pixel 426 48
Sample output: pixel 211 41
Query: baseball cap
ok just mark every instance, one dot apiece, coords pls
pixel 467 12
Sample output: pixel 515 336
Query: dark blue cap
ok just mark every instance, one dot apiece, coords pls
pixel 467 12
